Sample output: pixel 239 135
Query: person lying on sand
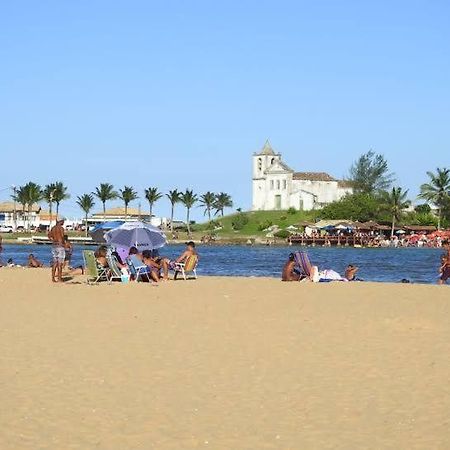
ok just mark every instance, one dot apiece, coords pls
pixel 33 262
pixel 167 264
pixel 289 273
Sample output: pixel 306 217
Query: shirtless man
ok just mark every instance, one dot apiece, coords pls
pixel 289 273
pixel 33 262
pixel 56 235
pixel 167 264
pixel 350 272
pixel 445 264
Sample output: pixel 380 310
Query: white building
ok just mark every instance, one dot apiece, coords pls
pixel 277 186
pixel 13 215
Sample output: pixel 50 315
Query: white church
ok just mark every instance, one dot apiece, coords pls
pixel 277 186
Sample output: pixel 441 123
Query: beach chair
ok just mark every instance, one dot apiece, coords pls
pixel 115 272
pixel 303 264
pixel 94 273
pixel 188 267
pixel 137 268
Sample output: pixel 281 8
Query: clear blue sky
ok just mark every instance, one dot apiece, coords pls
pixel 179 94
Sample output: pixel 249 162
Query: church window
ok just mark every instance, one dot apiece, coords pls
pixel 278 184
pixel 271 185
pixel 272 161
pixel 284 184
pixel 259 164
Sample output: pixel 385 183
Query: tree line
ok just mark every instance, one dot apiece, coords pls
pixel 32 193
pixel 375 195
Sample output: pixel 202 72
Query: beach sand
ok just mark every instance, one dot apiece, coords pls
pixel 223 363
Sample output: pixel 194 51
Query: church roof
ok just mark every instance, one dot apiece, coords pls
pixel 278 166
pixel 313 176
pixel 267 149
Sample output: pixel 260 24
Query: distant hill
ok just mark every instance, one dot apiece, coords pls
pixel 253 223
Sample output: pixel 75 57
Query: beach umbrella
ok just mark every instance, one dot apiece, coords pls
pixel 98 232
pixel 400 231
pixel 141 235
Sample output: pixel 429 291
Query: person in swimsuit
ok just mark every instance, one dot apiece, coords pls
pixel 33 262
pixel 350 272
pixel 153 267
pixel 167 264
pixel 68 247
pixel 445 264
pixel 289 273
pixel 56 236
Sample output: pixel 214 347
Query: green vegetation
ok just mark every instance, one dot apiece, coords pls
pixel 253 223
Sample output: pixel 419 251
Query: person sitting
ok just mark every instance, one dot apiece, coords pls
pixel 33 262
pixel 100 257
pixel 153 267
pixel 289 271
pixel 188 253
pixel 135 252
pixel 350 272
pixel 119 262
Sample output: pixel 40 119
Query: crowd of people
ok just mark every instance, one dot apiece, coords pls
pixel 156 267
pixel 294 270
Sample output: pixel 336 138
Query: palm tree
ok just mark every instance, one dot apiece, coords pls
pixel 127 195
pixel 152 195
pixel 33 194
pixel 174 198
pixel 437 191
pixel 222 201
pixel 60 194
pixel 188 198
pixel 105 192
pixel 208 200
pixel 48 194
pixel 86 203
pixel 20 197
pixel 395 202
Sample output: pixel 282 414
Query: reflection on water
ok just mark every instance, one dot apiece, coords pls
pixel 381 264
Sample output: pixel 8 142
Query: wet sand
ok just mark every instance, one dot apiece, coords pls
pixel 222 363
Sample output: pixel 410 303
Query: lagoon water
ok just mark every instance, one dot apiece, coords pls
pixel 383 264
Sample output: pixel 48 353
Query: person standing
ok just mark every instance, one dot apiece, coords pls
pixel 56 235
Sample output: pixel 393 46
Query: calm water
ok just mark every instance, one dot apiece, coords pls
pixel 417 265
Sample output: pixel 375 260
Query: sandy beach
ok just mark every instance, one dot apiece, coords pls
pixel 223 363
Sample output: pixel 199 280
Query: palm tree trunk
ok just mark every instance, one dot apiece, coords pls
pixel 50 205
pixel 151 212
pixel 393 226
pixel 126 210
pixel 104 210
pixel 57 210
pixel 439 218
pixel 209 214
pixel 171 219
pixel 188 224
pixel 29 217
pixel 86 224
